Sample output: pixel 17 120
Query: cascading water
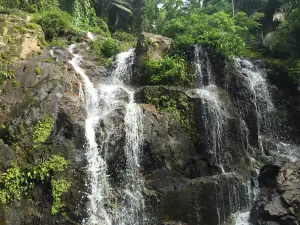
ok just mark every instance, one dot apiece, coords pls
pixel 101 102
pixel 262 99
pixel 203 69
pixel 214 118
pixel 96 165
pixel 214 113
pixel 132 205
pixel 264 108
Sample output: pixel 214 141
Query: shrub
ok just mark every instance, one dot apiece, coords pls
pixel 17 182
pixel 109 48
pixel 42 129
pixel 225 34
pixel 123 36
pixel 170 70
pixel 59 187
pixel 54 23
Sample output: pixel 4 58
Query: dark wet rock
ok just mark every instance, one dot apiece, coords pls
pixel 278 202
pixel 206 200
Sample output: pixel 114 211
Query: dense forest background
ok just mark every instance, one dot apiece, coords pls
pixel 250 28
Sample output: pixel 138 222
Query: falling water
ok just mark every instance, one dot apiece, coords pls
pixel 203 69
pixel 96 164
pixel 214 114
pixel 101 102
pixel 123 67
pixel 214 118
pixel 132 205
pixel 257 84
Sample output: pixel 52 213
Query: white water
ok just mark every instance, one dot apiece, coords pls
pixel 262 100
pixel 132 206
pixel 96 165
pixel 243 218
pixel 91 36
pixel 101 102
pixel 214 116
pixel 201 3
pixel 289 151
pixel 203 69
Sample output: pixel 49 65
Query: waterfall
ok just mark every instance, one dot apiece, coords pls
pixel 96 165
pixel 214 114
pixel 257 84
pixel 102 101
pixel 214 117
pixel 201 3
pixel 203 68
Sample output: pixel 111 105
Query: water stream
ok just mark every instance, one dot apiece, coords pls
pixel 214 114
pixel 262 101
pixel 102 101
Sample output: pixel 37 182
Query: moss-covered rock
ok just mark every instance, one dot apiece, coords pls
pixel 173 101
pixel 41 117
pixel 151 47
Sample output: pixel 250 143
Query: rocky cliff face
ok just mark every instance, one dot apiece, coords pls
pixel 39 88
pixel 200 147
pixel 278 202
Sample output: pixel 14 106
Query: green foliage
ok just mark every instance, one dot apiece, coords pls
pixel 42 130
pixel 17 182
pixel 37 71
pixel 15 83
pixel 54 23
pixel 109 48
pixel 6 73
pixel 123 36
pixel 59 187
pixel 174 102
pixel 30 5
pixel 170 70
pixel 97 26
pixel 288 32
pixel 292 65
pixel 219 31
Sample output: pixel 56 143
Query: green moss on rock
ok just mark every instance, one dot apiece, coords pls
pixel 42 129
pixel 175 102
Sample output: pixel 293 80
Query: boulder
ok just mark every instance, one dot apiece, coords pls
pixel 278 202
pixel 151 47
pixel 206 200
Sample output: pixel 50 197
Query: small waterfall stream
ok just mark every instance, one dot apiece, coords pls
pixel 101 101
pixel 214 113
pixel 257 84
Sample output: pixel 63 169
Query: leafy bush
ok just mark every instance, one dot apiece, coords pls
pixel 59 187
pixel 288 33
pixel 292 65
pixel 54 23
pixel 17 182
pixel 109 48
pixel 6 73
pixel 170 70
pixel 42 129
pixel 123 36
pixel 228 36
